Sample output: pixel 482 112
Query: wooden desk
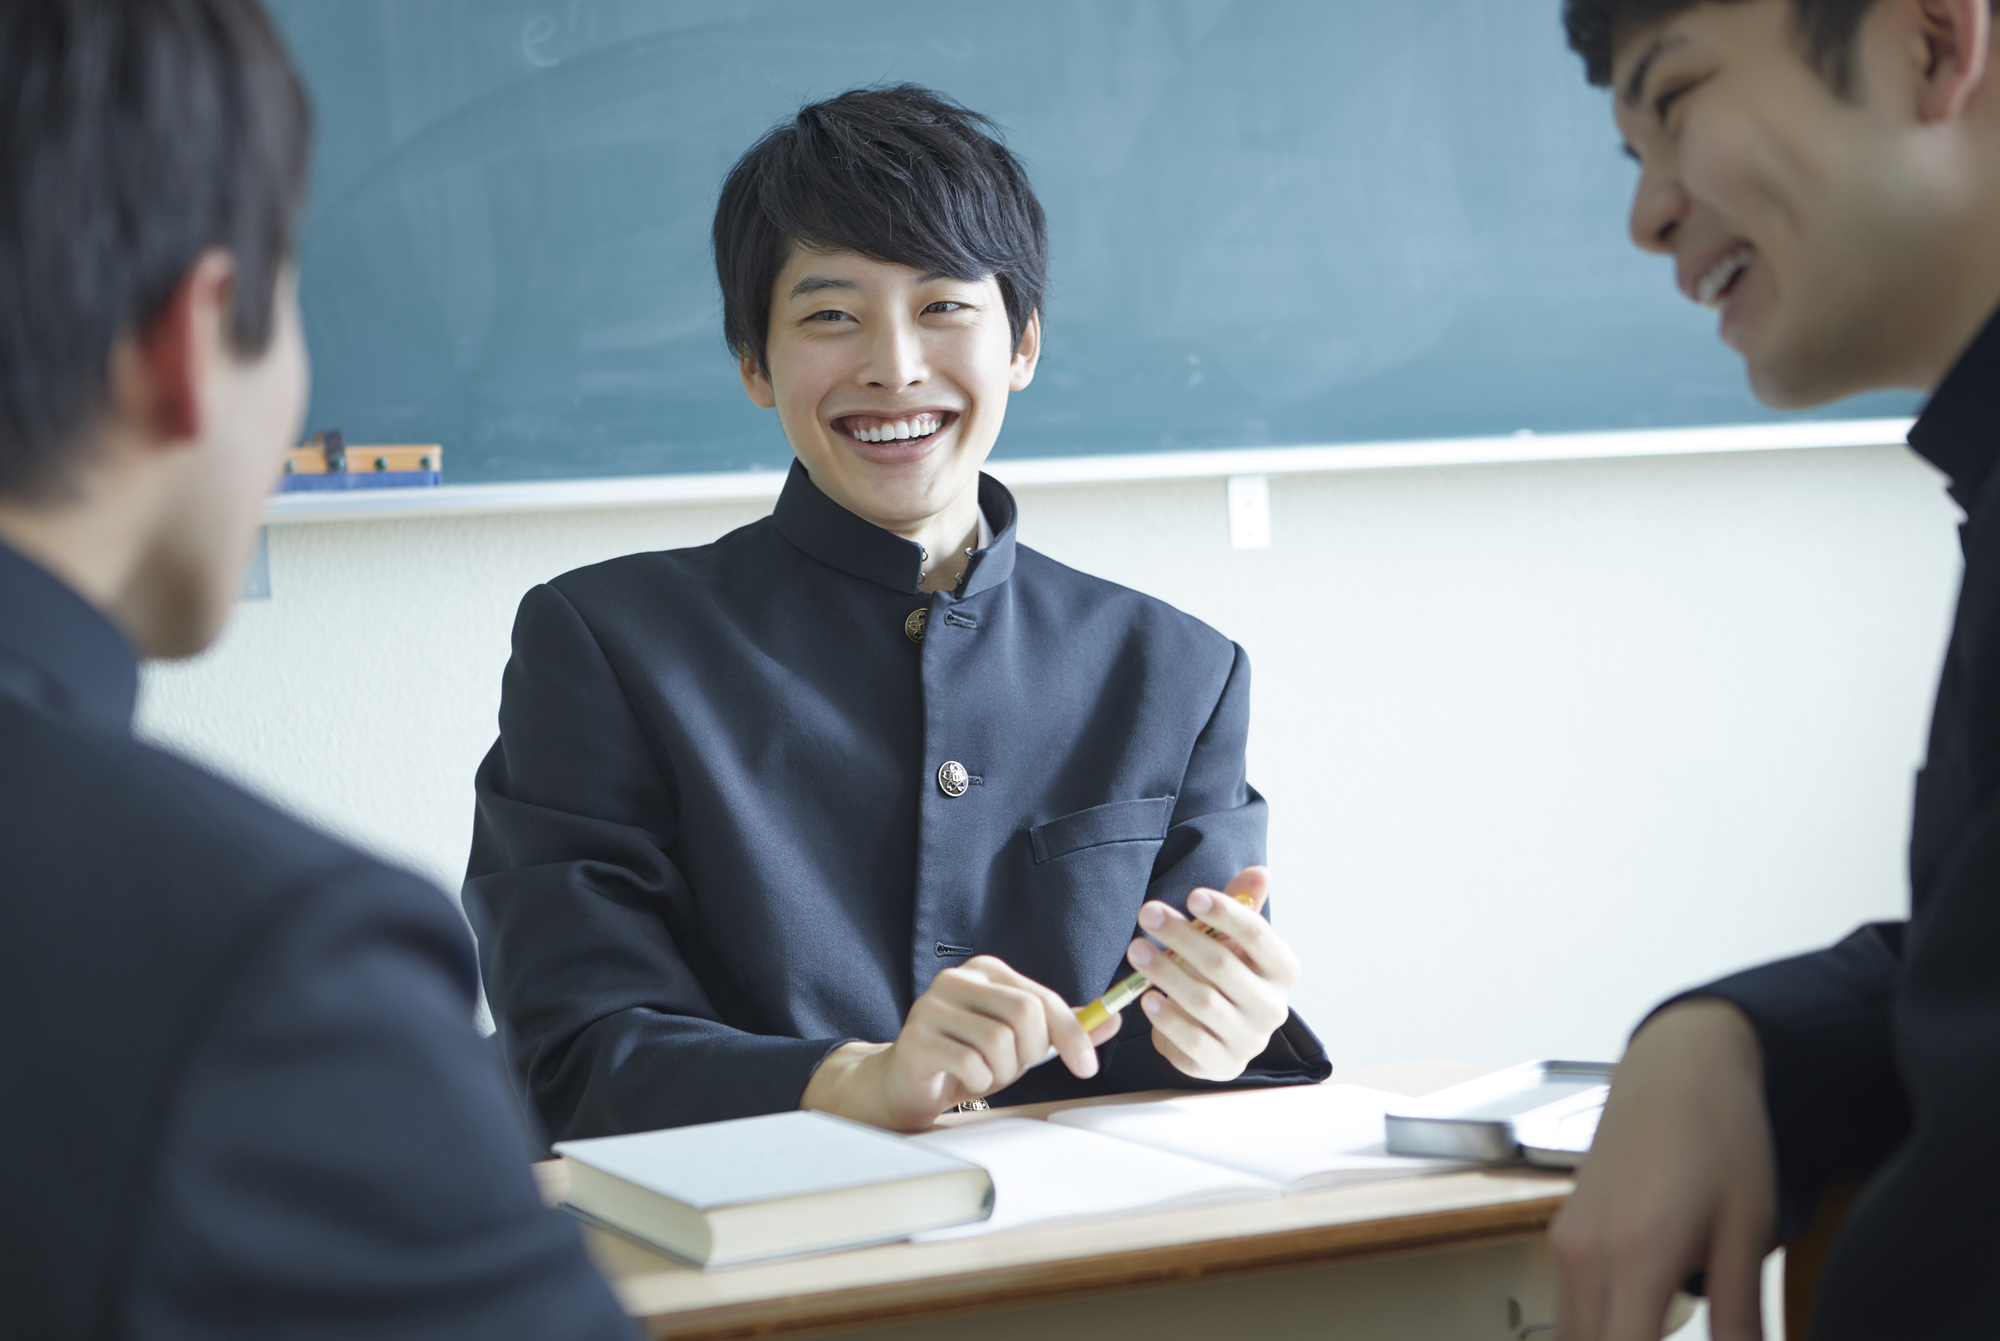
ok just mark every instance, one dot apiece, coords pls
pixel 1431 1259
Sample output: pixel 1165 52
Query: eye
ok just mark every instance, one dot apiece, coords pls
pixel 829 315
pixel 1664 103
pixel 945 305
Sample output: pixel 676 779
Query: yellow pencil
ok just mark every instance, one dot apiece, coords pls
pixel 1127 990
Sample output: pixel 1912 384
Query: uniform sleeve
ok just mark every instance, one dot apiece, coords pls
pixel 1218 828
pixel 343 1159
pixel 573 896
pixel 1836 1103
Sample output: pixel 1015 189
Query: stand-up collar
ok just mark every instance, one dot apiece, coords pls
pixel 60 653
pixel 836 537
pixel 1959 431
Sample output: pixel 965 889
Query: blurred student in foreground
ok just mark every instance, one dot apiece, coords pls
pixel 243 1091
pixel 1825 175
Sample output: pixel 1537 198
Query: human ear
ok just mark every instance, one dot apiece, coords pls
pixel 1952 39
pixel 158 386
pixel 756 382
pixel 1026 354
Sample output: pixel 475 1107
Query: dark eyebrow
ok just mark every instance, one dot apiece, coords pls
pixel 816 283
pixel 1635 83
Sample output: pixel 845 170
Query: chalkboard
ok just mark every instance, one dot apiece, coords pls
pixel 1271 222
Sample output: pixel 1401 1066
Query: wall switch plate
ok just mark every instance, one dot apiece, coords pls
pixel 1249 512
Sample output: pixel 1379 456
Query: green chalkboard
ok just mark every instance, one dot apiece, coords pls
pixel 1271 222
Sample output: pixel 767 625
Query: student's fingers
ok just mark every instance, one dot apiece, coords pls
pixel 1248 937
pixel 1206 1057
pixel 1576 1241
pixel 1191 995
pixel 1105 1032
pixel 963 1005
pixel 1251 884
pixel 1211 960
pixel 928 1053
pixel 1734 1274
pixel 992 1038
pixel 1579 1293
pixel 1043 1018
pixel 1179 1060
pixel 1252 934
pixel 1244 1022
pixel 1636 1309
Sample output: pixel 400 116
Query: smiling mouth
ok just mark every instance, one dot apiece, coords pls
pixel 1712 290
pixel 906 428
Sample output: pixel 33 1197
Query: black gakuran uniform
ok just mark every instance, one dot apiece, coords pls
pixel 1882 1054
pixel 750 798
pixel 241 1083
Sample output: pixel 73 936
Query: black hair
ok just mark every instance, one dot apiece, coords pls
pixel 898 174
pixel 1827 28
pixel 134 135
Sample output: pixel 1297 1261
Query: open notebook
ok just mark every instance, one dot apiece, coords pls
pixel 1121 1158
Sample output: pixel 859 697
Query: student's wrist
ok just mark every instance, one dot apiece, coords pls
pixel 842 1083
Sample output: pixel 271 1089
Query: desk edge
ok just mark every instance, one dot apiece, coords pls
pixel 944 1297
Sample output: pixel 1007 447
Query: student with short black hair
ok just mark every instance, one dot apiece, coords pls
pixel 243 1095
pixel 1825 175
pixel 846 810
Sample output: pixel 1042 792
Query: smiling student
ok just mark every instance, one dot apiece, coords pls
pixel 1825 174
pixel 846 810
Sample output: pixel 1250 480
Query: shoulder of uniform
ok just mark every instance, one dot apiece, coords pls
pixel 690 566
pixel 152 811
pixel 1085 595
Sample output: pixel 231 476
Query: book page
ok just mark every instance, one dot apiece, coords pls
pixel 1299 1137
pixel 1042 1173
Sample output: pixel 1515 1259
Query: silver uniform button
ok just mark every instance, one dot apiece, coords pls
pixel 952 778
pixel 913 625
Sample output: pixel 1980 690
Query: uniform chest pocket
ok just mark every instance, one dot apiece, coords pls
pixel 1119 822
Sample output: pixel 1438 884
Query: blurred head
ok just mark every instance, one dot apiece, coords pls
pixel 152 166
pixel 882 261
pixel 1825 175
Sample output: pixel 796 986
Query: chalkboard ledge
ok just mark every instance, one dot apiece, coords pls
pixel 462 500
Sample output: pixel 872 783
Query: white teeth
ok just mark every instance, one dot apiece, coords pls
pixel 918 426
pixel 1708 289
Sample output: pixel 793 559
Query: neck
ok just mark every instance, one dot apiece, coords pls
pixel 93 538
pixel 1957 290
pixel 945 536
pixel 1957 312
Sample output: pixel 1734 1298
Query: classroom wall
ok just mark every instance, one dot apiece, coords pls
pixel 1542 742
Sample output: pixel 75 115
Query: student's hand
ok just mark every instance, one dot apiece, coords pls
pixel 1217 1008
pixel 1680 1179
pixel 972 1034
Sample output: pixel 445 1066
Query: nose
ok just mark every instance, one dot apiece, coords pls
pixel 1659 204
pixel 895 357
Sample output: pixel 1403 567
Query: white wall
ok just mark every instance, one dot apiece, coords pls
pixel 1543 742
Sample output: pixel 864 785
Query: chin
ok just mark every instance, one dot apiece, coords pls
pixel 902 492
pixel 181 613
pixel 1805 383
pixel 189 635
pixel 1812 357
pixel 903 507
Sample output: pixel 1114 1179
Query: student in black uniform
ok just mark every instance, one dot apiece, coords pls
pixel 847 809
pixel 1826 176
pixel 242 1094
